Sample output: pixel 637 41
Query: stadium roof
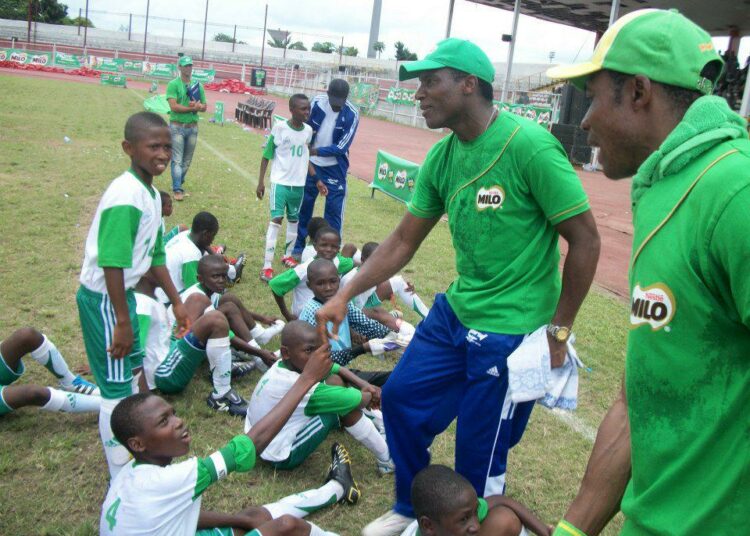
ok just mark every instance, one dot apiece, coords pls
pixel 716 16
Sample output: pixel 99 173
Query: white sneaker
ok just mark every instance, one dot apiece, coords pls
pixel 389 524
pixel 270 331
pixel 259 364
pixel 387 467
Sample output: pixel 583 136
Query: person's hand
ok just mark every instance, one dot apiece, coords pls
pixel 122 340
pixel 260 190
pixel 319 364
pixel 322 188
pixel 268 357
pixel 313 151
pixel 195 106
pixel 375 393
pixel 183 320
pixel 557 351
pixel 333 311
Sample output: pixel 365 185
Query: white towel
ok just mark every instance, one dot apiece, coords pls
pixel 531 377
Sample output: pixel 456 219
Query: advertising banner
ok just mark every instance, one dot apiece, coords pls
pixel 107 65
pixel 395 176
pixel 69 60
pixel 364 96
pixel 540 114
pixel 117 80
pixel 131 66
pixel 219 112
pixel 400 95
pixel 25 56
pixel 160 70
pixel 204 75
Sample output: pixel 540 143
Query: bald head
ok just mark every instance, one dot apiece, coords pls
pixel 321 268
pixel 209 263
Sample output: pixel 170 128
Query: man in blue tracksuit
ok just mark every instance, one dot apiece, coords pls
pixel 334 121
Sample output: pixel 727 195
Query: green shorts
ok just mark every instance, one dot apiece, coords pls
pixel 4 408
pixel 225 531
pixel 8 375
pixel 373 300
pixel 286 200
pixel 113 376
pixel 176 371
pixel 305 443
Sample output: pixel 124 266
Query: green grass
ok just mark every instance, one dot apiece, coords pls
pixel 52 472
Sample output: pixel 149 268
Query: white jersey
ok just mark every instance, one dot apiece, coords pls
pixel 156 344
pixel 308 253
pixel 127 226
pixel 181 252
pixel 360 300
pixel 324 138
pixel 291 153
pixel 271 388
pixel 195 289
pixel 151 500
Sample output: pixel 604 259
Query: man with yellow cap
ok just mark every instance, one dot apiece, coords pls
pixel 509 192
pixel 672 452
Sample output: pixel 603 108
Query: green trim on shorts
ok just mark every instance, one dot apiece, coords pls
pixel 8 375
pixel 309 439
pixel 224 531
pixel 285 201
pixel 4 407
pixel 176 371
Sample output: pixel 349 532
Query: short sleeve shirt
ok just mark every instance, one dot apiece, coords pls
pixel 289 149
pixel 503 192
pixel 177 90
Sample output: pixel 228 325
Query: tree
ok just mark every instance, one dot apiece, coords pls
pixel 326 47
pixel 348 51
pixel 297 45
pixel 83 21
pixel 49 11
pixel 279 43
pixel 378 46
pixel 403 53
pixel 226 38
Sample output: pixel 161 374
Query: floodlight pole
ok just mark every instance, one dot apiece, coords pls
pixel 145 29
pixel 205 25
pixel 28 29
pixel 516 13
pixel 263 39
pixel 85 25
pixel 450 19
pixel 614 12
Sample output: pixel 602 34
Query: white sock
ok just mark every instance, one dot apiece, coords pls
pixel 411 299
pixel 71 402
pixel 376 416
pixel 307 502
pixel 50 357
pixel 317 531
pixel 365 432
pixel 117 455
pixel 231 272
pixel 263 335
pixel 357 257
pixel 220 360
pixel 291 237
pixel 271 235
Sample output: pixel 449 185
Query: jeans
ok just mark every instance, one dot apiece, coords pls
pixel 184 140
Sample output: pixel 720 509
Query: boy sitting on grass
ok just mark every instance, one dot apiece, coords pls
pixel 315 224
pixel 323 408
pixel 446 504
pixel 152 496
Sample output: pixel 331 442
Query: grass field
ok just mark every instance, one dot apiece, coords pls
pixel 52 471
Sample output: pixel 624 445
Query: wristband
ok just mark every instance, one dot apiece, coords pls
pixel 565 528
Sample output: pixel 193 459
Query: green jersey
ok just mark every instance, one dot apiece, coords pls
pixel 177 90
pixel 503 192
pixel 688 357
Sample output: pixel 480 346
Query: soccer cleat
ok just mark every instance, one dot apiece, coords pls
pixel 340 470
pixel 218 249
pixel 240 369
pixel 259 364
pixel 231 402
pixel 239 265
pixel 389 524
pixel 386 468
pixel 289 262
pixel 266 274
pixel 81 386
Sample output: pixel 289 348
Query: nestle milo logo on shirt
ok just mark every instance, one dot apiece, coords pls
pixel 491 197
pixel 654 305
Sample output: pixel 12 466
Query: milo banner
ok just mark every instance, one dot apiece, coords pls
pixel 204 75
pixel 400 95
pixel 160 70
pixel 117 80
pixel 69 60
pixel 219 112
pixel 540 114
pixel 107 65
pixel 364 96
pixel 25 56
pixel 131 66
pixel 394 176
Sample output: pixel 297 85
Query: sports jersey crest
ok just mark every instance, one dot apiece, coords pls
pixel 491 197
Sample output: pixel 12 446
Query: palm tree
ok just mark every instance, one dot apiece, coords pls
pixel 378 46
pixel 279 43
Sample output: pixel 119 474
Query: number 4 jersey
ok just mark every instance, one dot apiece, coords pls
pixel 289 150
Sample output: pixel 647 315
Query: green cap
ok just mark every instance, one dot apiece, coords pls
pixel 185 60
pixel 663 45
pixel 455 53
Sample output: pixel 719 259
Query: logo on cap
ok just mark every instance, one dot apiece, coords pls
pixel 654 305
pixel 491 197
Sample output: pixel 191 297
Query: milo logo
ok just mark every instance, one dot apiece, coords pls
pixel 39 60
pixel 19 57
pixel 491 197
pixel 400 179
pixel 383 171
pixel 3 55
pixel 654 305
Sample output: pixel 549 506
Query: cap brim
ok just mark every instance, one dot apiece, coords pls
pixel 576 73
pixel 412 69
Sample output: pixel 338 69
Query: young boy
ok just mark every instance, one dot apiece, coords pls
pixel 167 208
pixel 81 395
pixel 325 406
pixel 288 147
pixel 327 245
pixel 313 226
pixel 124 242
pixel 446 504
pixel 152 496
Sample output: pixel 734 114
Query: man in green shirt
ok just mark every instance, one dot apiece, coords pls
pixel 672 452
pixel 509 191
pixel 186 98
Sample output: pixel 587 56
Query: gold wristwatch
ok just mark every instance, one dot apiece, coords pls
pixel 559 333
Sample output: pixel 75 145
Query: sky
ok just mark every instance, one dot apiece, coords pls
pixel 417 23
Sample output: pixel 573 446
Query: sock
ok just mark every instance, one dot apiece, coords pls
pixel 291 237
pixel 317 531
pixel 357 257
pixel 376 416
pixel 307 502
pixel 271 235
pixel 411 299
pixel 232 272
pixel 263 335
pixel 117 455
pixel 365 432
pixel 50 357
pixel 71 402
pixel 220 360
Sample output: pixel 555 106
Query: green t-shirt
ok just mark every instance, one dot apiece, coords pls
pixel 688 357
pixel 176 90
pixel 331 399
pixel 503 192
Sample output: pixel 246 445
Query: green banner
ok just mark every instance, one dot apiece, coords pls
pixel 204 75
pixel 395 176
pixel 400 95
pixel 160 70
pixel 219 112
pixel 69 60
pixel 25 56
pixel 118 80
pixel 365 96
pixel 131 66
pixel 107 65
pixel 540 114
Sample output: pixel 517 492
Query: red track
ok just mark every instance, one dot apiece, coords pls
pixel 610 200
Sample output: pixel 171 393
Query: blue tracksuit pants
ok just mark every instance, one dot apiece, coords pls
pixel 450 371
pixel 335 180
